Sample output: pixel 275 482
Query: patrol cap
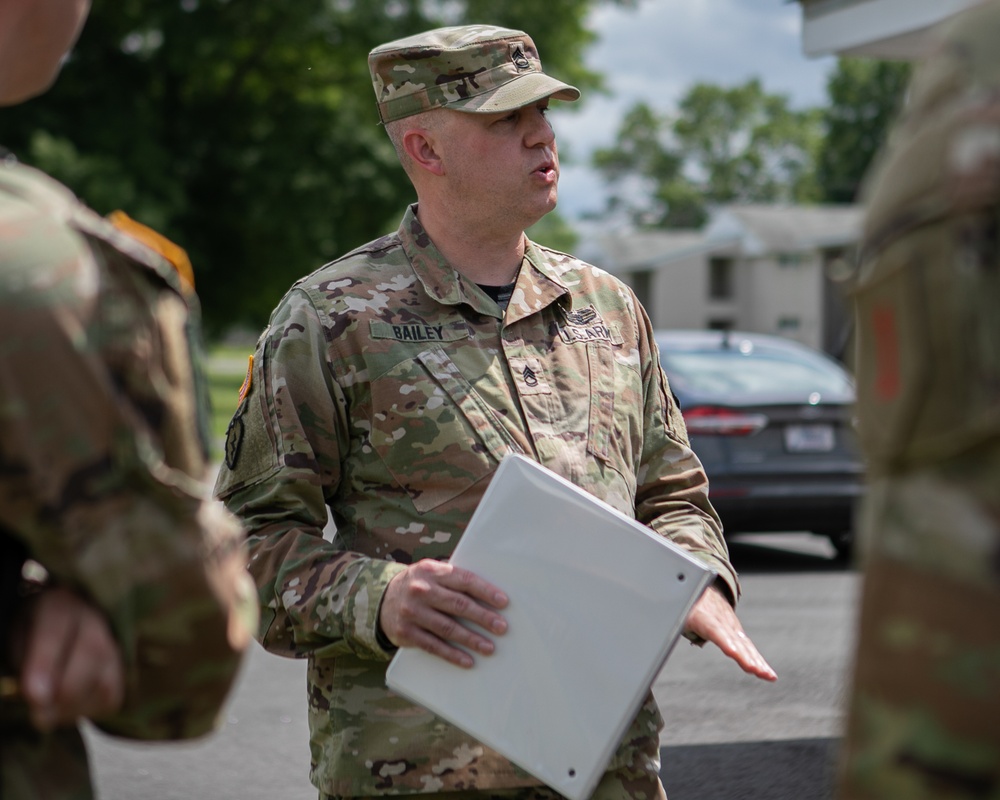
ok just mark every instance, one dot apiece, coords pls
pixel 473 68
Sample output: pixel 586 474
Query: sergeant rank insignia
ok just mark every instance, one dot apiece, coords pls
pixel 519 58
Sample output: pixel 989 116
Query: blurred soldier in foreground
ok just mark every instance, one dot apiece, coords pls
pixel 925 712
pixel 389 386
pixel 135 607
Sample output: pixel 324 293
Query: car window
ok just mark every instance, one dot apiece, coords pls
pixel 733 372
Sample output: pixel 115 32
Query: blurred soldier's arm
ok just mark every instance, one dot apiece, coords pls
pixel 103 457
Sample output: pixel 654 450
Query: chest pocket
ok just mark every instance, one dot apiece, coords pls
pixel 600 427
pixel 434 433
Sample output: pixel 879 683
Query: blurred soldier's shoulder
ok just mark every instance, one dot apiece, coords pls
pixel 46 230
pixel 34 234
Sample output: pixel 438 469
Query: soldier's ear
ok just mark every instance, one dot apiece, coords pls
pixel 422 147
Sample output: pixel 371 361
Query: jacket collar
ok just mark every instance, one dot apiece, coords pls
pixel 538 282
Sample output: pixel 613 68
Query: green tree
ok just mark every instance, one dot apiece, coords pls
pixel 247 132
pixel 738 144
pixel 554 231
pixel 865 96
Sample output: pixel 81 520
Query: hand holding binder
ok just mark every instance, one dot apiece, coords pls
pixel 597 602
pixel 421 604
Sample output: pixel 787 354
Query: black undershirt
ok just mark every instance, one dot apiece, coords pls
pixel 499 294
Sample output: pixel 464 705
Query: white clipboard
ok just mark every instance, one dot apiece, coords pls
pixel 597 602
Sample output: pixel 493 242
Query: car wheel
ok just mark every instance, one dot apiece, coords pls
pixel 843 543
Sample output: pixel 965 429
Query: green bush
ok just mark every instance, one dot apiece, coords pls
pixel 225 370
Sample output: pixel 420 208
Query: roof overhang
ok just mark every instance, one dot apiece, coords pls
pixel 892 29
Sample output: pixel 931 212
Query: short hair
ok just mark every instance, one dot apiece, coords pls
pixel 397 129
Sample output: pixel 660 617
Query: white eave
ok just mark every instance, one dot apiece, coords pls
pixel 893 29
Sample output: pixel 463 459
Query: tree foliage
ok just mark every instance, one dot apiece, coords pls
pixel 723 145
pixel 742 144
pixel 865 96
pixel 247 132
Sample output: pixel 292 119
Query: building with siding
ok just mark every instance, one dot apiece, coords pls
pixel 761 268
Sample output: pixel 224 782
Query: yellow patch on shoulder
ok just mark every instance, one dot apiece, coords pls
pixel 175 255
pixel 247 382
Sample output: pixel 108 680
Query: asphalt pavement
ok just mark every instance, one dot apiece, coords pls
pixel 727 737
pixel 732 737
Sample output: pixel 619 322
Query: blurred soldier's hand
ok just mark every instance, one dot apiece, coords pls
pixel 422 605
pixel 70 663
pixel 714 620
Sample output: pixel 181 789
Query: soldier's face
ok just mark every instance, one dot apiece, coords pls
pixel 35 35
pixel 503 166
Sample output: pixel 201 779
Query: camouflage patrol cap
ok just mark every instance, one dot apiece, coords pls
pixel 474 68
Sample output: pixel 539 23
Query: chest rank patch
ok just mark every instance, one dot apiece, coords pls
pixel 584 325
pixel 529 376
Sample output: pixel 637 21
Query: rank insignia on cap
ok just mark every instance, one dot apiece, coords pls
pixel 247 381
pixel 518 57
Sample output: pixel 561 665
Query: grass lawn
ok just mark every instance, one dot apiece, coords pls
pixel 225 369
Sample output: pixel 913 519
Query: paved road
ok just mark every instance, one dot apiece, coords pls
pixel 732 737
pixel 728 736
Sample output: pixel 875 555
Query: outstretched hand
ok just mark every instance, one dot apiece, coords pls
pixel 714 620
pixel 422 607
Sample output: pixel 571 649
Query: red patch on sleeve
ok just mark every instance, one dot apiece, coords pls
pixel 887 379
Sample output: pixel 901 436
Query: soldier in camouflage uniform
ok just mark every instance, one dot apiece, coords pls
pixel 138 605
pixel 390 384
pixel 925 712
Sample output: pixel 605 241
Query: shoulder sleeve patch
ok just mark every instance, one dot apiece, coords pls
pixel 247 381
pixel 176 256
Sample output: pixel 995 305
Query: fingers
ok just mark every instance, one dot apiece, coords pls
pixel 743 651
pixel 441 609
pixel 714 620
pixel 71 666
pixel 48 638
pixel 92 682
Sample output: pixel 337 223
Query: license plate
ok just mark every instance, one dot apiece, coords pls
pixel 809 438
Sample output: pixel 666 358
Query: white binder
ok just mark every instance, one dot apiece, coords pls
pixel 597 601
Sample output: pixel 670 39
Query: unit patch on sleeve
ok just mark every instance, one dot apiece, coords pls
pixel 247 382
pixel 234 440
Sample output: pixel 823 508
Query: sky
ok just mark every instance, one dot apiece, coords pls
pixel 655 52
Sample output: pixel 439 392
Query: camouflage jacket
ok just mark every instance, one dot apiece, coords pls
pixel 925 697
pixel 103 468
pixel 387 388
pixel 928 331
